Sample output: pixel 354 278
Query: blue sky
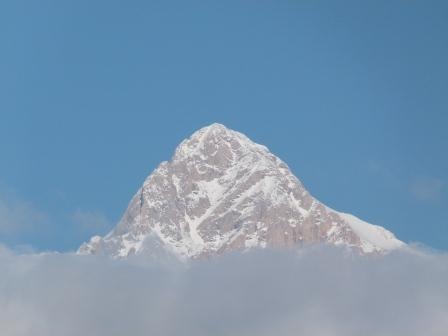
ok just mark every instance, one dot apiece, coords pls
pixel 94 94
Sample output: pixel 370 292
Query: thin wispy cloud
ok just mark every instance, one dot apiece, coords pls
pixel 90 221
pixel 421 188
pixel 22 223
pixel 316 291
pixel 427 189
pixel 20 217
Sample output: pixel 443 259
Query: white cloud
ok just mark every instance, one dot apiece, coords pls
pixel 316 291
pixel 427 188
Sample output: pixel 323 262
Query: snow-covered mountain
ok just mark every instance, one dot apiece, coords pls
pixel 222 192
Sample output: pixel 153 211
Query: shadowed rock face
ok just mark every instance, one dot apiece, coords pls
pixel 222 192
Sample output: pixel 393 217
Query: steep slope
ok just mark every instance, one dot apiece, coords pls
pixel 222 192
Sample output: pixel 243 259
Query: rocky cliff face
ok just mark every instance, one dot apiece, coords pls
pixel 222 192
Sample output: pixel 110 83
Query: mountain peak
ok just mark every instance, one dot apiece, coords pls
pixel 214 130
pixel 222 192
pixel 218 144
pixel 215 127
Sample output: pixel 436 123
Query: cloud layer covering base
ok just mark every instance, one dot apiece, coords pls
pixel 314 291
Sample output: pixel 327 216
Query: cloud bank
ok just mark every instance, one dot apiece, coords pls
pixel 314 291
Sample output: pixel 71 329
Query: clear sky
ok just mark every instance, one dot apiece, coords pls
pixel 352 95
